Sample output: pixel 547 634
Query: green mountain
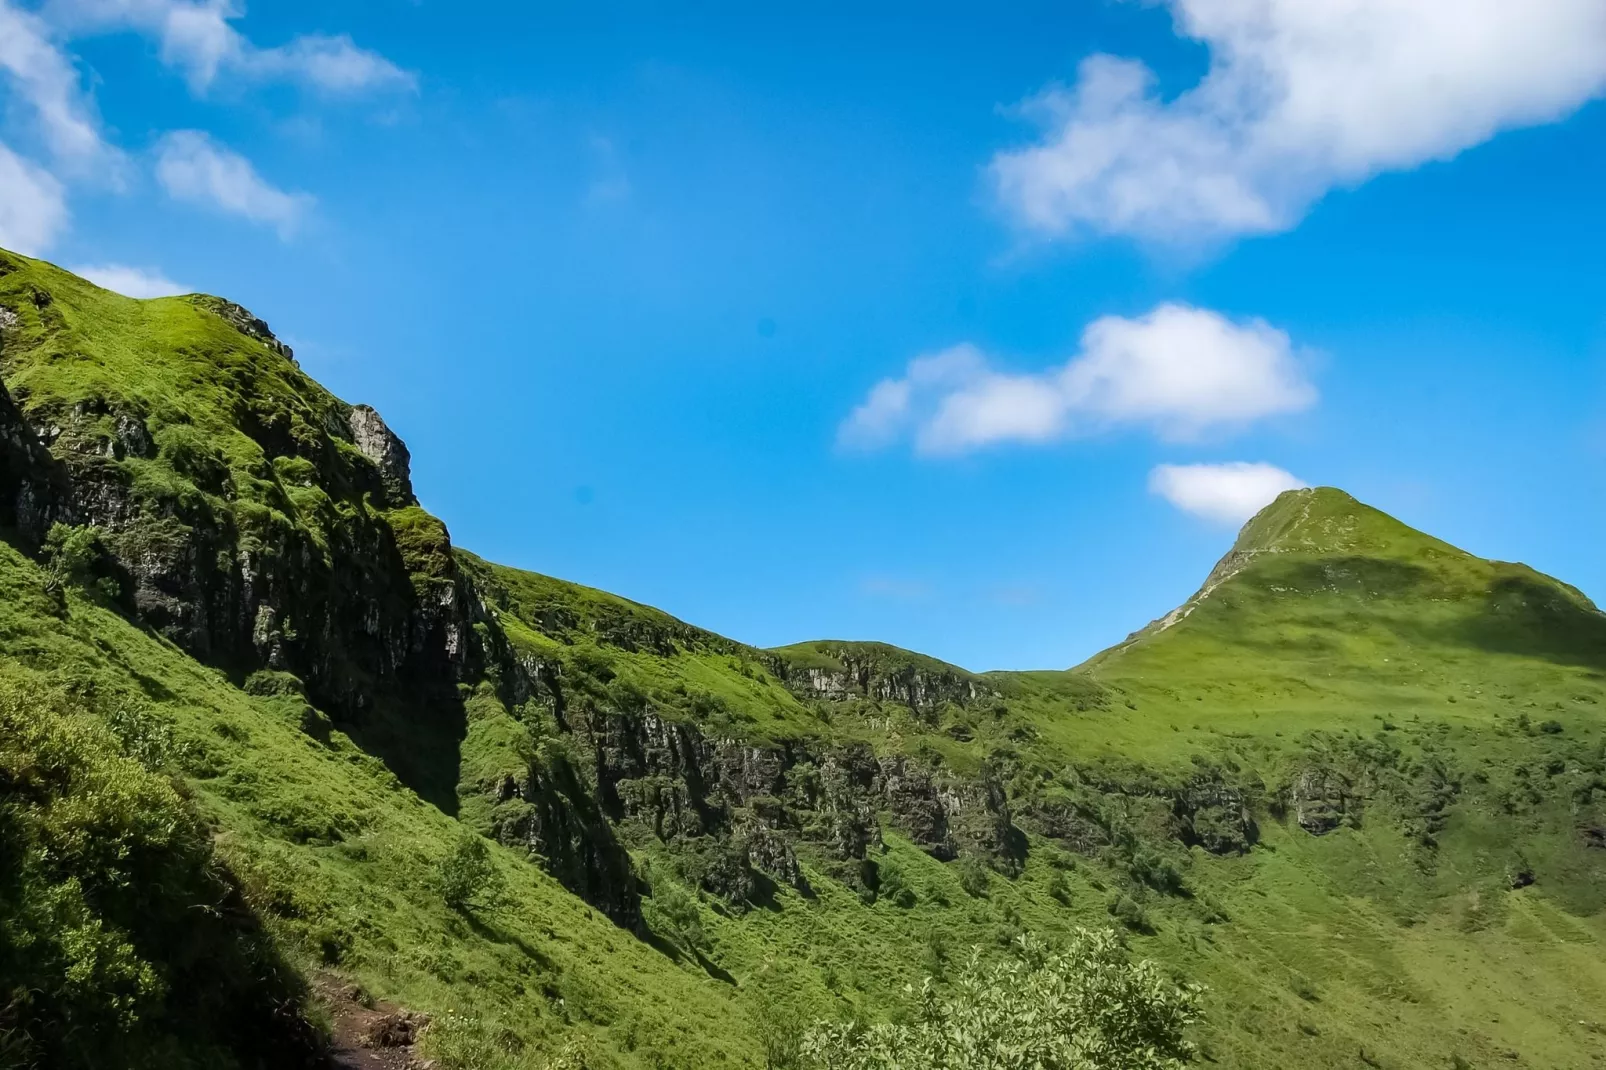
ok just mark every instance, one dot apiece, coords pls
pixel 277 761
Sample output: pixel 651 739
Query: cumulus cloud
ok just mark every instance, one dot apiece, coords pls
pixel 193 167
pixel 197 38
pixel 1225 493
pixel 1300 97
pixel 130 281
pixel 33 205
pixel 1180 371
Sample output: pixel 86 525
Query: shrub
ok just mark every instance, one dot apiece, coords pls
pixel 125 940
pixel 973 876
pixel 677 913
pixel 74 557
pixel 894 886
pixel 1083 1008
pixel 937 953
pixel 469 879
pixel 1125 909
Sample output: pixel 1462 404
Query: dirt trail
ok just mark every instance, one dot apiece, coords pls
pixel 369 1034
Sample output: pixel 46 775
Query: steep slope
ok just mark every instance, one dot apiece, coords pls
pixel 1354 785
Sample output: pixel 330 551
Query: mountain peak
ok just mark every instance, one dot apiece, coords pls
pixel 1326 520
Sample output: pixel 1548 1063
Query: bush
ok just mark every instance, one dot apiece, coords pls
pixel 937 953
pixel 677 914
pixel 75 557
pixel 469 879
pixel 1126 910
pixel 125 940
pixel 1083 1008
pixel 894 886
pixel 973 876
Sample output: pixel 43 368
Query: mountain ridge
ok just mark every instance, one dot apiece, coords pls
pixel 1348 789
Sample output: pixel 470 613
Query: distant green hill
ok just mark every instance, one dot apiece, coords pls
pixel 1354 785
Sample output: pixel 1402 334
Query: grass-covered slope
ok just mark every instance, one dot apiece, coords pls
pixel 1354 785
pixel 1330 614
pixel 332 856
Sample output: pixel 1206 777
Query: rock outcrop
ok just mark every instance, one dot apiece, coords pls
pixel 388 453
pixel 34 489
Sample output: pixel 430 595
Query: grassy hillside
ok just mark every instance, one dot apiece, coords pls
pixel 1354 785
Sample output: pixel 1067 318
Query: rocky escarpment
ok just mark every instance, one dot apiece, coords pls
pixel 34 489
pixel 738 812
pixel 840 671
pixel 260 523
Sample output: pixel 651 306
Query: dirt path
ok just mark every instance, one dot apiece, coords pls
pixel 369 1034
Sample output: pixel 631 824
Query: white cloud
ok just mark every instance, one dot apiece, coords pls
pixel 333 64
pixel 1301 96
pixel 130 281
pixel 44 76
pixel 1178 370
pixel 197 38
pixel 33 206
pixel 1225 493
pixel 192 167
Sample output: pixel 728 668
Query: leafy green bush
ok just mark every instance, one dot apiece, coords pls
pixel 894 884
pixel 674 912
pixel 123 940
pixel 469 880
pixel 1083 1008
pixel 973 876
pixel 1128 912
pixel 75 557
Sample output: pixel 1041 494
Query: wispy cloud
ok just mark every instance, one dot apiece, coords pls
pixel 33 205
pixel 196 37
pixel 43 76
pixel 1224 493
pixel 610 182
pixel 131 281
pixel 1301 97
pixel 192 167
pixel 1179 370
pixel 898 589
pixel 67 144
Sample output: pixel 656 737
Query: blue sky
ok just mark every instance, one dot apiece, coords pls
pixel 913 325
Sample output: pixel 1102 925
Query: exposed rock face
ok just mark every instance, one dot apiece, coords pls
pixel 389 454
pixel 1323 799
pixel 1216 816
pixel 759 803
pixel 374 619
pixel 34 491
pixel 552 813
pixel 921 689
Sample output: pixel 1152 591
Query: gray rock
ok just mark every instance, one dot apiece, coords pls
pixel 380 445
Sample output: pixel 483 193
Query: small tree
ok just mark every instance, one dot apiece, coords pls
pixel 676 911
pixel 973 876
pixel 72 555
pixel 469 879
pixel 1083 1008
pixel 894 884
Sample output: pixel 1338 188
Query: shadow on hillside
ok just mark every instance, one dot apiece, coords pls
pixel 1521 612
pixel 1535 618
pixel 1367 577
pixel 497 935
pixel 419 737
